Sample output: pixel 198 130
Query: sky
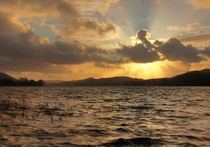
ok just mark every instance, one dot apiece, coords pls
pixel 78 39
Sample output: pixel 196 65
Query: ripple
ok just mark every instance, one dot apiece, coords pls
pixel 122 130
pixel 104 116
pixel 96 132
pixel 187 145
pixel 3 139
pixel 141 107
pixel 134 142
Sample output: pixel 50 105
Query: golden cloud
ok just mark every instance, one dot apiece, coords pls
pixel 197 38
pixel 197 3
pixel 200 3
pixel 67 15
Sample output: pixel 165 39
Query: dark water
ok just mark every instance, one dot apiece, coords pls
pixel 105 116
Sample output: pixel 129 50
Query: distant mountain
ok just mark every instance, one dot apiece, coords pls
pixel 193 78
pixel 113 81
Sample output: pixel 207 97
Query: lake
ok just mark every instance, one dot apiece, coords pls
pixel 105 116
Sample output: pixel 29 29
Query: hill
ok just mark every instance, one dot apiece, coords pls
pixel 193 78
pixel 7 80
pixel 4 76
pixel 113 81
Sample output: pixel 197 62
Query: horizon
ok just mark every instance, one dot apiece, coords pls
pixel 58 80
pixel 127 77
pixel 72 40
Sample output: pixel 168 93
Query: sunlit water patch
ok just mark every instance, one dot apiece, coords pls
pixel 105 116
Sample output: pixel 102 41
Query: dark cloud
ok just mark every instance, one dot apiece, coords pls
pixel 61 52
pixel 157 43
pixel 22 50
pixel 142 35
pixel 8 64
pixel 101 29
pixel 174 50
pixel 206 51
pixel 140 53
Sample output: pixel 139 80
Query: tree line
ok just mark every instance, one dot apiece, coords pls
pixel 21 82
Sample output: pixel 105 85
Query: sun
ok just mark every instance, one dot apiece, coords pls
pixel 145 70
pixel 138 41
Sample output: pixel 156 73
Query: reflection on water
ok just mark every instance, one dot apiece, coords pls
pixel 105 116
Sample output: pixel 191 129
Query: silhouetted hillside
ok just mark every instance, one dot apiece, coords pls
pixel 4 76
pixel 193 78
pixel 113 81
pixel 7 80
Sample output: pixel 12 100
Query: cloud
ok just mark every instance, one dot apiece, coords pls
pixel 39 8
pixel 101 29
pixel 90 28
pixel 200 3
pixel 206 51
pixel 113 1
pixel 21 47
pixel 158 1
pixel 104 6
pixel 9 64
pixel 141 53
pixel 195 34
pixel 204 4
pixel 22 50
pixel 174 50
pixel 69 17
pixel 143 35
pixel 196 38
pixel 192 29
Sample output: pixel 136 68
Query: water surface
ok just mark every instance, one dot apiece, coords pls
pixel 105 116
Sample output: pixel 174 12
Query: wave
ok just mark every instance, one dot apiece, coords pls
pixel 134 142
pixel 122 130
